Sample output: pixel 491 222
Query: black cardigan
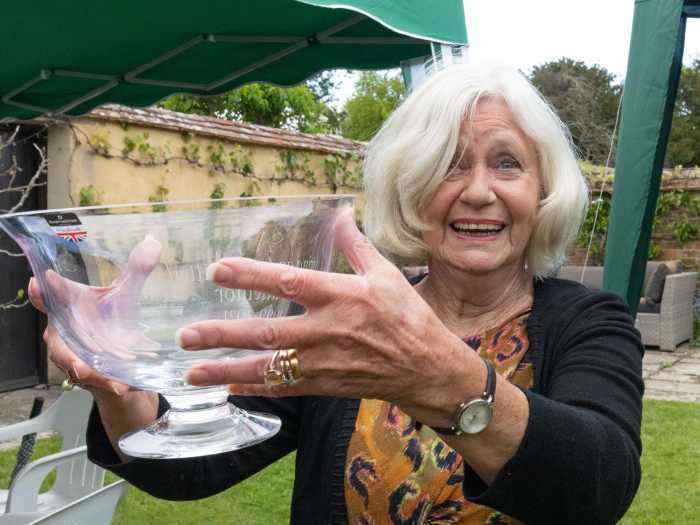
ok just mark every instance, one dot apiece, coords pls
pixel 578 462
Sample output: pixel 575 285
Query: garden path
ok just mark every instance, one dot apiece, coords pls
pixel 672 376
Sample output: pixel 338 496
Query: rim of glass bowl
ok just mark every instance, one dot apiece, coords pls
pixel 193 201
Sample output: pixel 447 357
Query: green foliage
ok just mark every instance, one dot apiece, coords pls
pixel 294 162
pixel 160 196
pixel 358 221
pixel 337 172
pixel 100 143
pixel 683 230
pixel 696 320
pixel 89 196
pixel 654 251
pixel 218 193
pixel 288 108
pixel 684 140
pixel 376 96
pixel 138 142
pixel 323 87
pixel 583 237
pixel 586 99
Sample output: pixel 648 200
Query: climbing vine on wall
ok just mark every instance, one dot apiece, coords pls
pixel 221 158
pixel 682 229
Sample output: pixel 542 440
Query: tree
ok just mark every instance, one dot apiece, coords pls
pixel 18 195
pixel 323 87
pixel 288 108
pixel 376 95
pixel 684 140
pixel 586 100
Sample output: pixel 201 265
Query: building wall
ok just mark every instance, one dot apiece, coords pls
pixel 76 165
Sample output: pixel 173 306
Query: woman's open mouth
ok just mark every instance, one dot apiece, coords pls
pixel 478 229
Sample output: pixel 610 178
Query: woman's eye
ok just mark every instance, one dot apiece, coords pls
pixel 454 165
pixel 508 164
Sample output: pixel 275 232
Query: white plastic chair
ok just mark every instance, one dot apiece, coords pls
pixel 76 477
pixel 94 509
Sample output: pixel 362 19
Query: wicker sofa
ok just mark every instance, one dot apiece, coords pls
pixel 665 323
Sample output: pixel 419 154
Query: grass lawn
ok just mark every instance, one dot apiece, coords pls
pixel 670 489
pixel 669 493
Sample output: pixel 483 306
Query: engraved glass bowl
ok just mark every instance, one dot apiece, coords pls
pixel 119 281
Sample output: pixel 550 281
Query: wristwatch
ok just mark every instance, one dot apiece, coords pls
pixel 475 415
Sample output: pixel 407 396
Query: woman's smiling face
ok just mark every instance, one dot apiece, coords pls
pixel 483 213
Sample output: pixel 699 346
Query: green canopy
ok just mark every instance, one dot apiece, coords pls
pixel 651 84
pixel 69 57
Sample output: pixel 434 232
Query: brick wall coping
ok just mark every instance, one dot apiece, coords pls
pixel 671 179
pixel 226 129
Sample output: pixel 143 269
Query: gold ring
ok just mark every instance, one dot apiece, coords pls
pixel 273 377
pixel 70 383
pixel 294 362
pixel 286 366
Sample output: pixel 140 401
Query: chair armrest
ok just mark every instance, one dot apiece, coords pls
pixel 679 287
pixel 23 493
pixel 30 426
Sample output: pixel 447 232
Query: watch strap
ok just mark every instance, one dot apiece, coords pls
pixel 489 396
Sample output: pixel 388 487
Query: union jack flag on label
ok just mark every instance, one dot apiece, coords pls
pixel 67 226
pixel 73 236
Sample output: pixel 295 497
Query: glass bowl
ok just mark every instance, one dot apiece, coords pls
pixel 119 281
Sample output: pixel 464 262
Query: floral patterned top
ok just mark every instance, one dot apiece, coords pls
pixel 396 474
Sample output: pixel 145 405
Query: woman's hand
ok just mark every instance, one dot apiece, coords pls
pixel 368 335
pixel 91 310
pixel 65 359
pixel 122 409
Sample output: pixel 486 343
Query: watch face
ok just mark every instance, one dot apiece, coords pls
pixel 475 416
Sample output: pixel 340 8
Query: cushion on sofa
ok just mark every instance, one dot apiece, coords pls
pixel 592 278
pixel 673 267
pixel 654 288
pixel 644 308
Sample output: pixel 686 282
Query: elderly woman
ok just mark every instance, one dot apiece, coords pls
pixel 481 393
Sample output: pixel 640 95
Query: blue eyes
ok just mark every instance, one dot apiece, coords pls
pixel 503 164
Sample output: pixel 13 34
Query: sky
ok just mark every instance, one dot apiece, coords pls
pixel 525 33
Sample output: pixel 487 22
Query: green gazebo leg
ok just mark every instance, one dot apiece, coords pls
pixel 653 73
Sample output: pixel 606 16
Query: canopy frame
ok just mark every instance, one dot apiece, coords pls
pixel 112 81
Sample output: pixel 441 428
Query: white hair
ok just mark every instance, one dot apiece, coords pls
pixel 410 156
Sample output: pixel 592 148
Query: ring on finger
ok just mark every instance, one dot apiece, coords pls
pixel 286 366
pixel 294 362
pixel 273 377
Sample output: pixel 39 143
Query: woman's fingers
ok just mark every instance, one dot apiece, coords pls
pixel 35 295
pixel 250 334
pixel 65 360
pixel 306 287
pixel 142 260
pixel 302 388
pixel 249 370
pixel 359 252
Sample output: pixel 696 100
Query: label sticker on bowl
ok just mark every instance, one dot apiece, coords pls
pixel 67 226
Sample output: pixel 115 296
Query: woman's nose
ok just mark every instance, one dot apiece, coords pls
pixel 477 191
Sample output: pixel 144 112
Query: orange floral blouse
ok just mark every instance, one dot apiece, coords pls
pixel 395 474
